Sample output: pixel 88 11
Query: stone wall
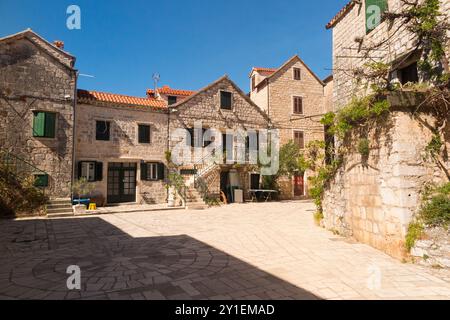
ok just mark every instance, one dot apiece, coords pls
pixel 205 107
pixel 433 249
pixel 375 199
pixel 346 50
pixel 123 145
pixel 36 76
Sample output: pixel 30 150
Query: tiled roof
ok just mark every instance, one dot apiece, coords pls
pixel 169 91
pixel 271 70
pixel 346 9
pixel 93 96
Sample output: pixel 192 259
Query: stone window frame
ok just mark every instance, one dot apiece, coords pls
pixel 304 136
pixel 137 133
pixel 293 105
pixel 220 100
pixel 56 124
pixel 293 73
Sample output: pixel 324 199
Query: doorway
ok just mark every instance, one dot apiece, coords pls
pixel 299 185
pixel 121 182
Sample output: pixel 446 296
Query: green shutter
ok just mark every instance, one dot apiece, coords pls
pixel 41 180
pixel 374 11
pixel 144 171
pixel 50 124
pixel 39 124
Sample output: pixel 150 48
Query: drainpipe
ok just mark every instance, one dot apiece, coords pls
pixel 75 96
pixel 268 98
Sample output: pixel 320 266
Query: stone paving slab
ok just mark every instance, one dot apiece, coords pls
pixel 241 251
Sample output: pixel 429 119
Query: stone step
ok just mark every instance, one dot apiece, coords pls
pixel 56 211
pixel 59 206
pixel 60 215
pixel 60 202
pixel 196 206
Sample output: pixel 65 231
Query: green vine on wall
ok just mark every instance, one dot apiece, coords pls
pixel 425 20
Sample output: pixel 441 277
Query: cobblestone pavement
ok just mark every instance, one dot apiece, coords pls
pixel 247 251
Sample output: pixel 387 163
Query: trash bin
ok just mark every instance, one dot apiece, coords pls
pixel 238 196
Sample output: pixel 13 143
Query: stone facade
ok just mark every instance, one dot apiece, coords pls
pixel 274 92
pixel 37 76
pixel 204 107
pixel 374 199
pixel 348 52
pixel 123 146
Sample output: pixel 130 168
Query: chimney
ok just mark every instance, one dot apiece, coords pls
pixel 59 44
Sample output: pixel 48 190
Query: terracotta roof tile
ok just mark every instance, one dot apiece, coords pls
pixel 93 96
pixel 169 91
pixel 346 9
pixel 271 70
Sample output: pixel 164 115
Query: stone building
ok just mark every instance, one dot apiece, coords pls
pixel 293 98
pixel 374 198
pixel 120 146
pixel 221 106
pixel 37 101
pixel 169 95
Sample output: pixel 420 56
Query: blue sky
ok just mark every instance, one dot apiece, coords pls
pixel 189 43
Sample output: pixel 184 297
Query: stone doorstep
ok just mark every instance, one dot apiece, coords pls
pixel 127 209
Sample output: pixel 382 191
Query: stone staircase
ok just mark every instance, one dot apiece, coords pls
pixel 194 199
pixel 57 208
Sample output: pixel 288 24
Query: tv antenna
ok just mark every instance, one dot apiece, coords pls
pixel 156 78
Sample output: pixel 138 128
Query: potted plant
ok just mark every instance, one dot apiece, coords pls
pixel 175 183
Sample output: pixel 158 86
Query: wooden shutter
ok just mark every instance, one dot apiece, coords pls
pixel 144 171
pixel 372 9
pixel 298 105
pixel 98 171
pixel 39 124
pixel 161 171
pixel 80 164
pixel 50 124
pixel 299 139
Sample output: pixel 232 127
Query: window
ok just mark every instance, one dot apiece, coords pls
pixel 90 170
pixel 143 133
pixel 297 74
pixel 172 100
pixel 44 124
pixel 152 171
pixel 298 105
pixel 255 179
pixel 374 13
pixel 41 180
pixel 191 138
pixel 299 139
pixel 102 130
pixel 225 100
pixel 409 74
pixel 253 82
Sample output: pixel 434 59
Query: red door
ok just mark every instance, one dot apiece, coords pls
pixel 298 185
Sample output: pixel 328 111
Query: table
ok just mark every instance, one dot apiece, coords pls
pixel 266 194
